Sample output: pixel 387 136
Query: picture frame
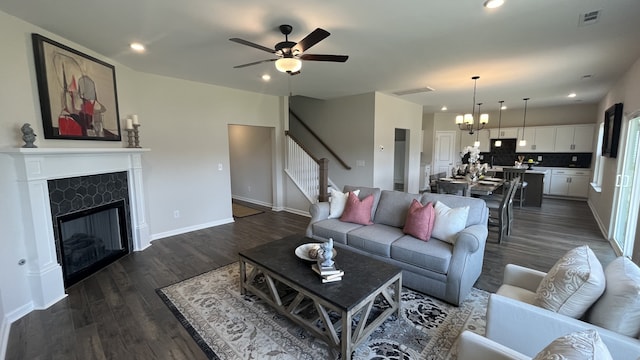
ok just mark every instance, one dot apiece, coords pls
pixel 612 128
pixel 78 93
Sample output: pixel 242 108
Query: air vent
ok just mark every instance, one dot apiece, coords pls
pixel 589 18
pixel 413 91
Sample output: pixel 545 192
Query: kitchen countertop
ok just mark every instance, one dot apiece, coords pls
pixel 499 169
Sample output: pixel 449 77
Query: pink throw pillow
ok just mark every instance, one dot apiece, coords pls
pixel 420 220
pixel 357 211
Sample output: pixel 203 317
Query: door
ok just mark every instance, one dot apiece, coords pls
pixel 400 159
pixel 628 191
pixel 444 155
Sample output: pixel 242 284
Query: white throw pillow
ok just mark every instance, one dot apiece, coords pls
pixel 573 284
pixel 449 222
pixel 585 344
pixel 619 307
pixel 337 201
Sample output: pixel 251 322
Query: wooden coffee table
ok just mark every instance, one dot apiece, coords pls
pixel 274 273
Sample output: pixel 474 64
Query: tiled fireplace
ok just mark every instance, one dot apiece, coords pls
pixel 45 177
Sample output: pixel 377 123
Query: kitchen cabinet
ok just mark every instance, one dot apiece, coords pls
pixel 570 182
pixel 504 133
pixel 547 178
pixel 539 139
pixel 574 138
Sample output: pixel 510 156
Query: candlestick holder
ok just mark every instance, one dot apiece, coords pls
pixel 136 136
pixel 130 138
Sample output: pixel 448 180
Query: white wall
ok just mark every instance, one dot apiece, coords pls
pixel 183 123
pixel 251 165
pixel 344 124
pixel 626 91
pixel 390 113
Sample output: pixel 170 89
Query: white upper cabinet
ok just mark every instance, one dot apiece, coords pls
pixel 539 139
pixel 574 138
pixel 504 133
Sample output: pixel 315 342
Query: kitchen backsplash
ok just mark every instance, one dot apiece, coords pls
pixel 577 160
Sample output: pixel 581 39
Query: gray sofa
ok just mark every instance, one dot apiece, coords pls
pixel 435 267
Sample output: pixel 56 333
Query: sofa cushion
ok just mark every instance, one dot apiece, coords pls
pixel 337 201
pixel 573 284
pixel 449 222
pixel 585 344
pixel 434 255
pixel 358 211
pixel 477 207
pixel 375 239
pixel 364 192
pixel 420 220
pixel 334 228
pixel 618 309
pixel 393 207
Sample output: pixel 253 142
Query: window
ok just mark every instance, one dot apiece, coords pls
pixel 596 183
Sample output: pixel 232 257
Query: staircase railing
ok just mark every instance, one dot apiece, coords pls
pixel 309 173
pixel 342 162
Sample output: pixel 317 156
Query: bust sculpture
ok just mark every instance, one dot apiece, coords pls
pixel 326 253
pixel 28 136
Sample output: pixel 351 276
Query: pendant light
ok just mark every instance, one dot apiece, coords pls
pixel 466 122
pixel 523 142
pixel 498 142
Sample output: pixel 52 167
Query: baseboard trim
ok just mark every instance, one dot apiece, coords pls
pixel 297 212
pixel 187 229
pixel 252 201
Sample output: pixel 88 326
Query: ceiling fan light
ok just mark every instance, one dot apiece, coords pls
pixel 288 65
pixel 492 4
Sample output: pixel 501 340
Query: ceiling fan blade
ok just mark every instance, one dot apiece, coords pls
pixel 318 57
pixel 253 45
pixel 253 63
pixel 315 37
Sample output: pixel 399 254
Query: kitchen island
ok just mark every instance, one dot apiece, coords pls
pixel 535 185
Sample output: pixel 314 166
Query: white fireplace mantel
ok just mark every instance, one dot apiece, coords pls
pixel 34 166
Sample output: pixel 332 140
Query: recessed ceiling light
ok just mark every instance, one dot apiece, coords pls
pixel 492 4
pixel 572 95
pixel 266 77
pixel 444 108
pixel 137 47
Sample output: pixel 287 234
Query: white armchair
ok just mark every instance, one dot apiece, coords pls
pixel 513 322
pixel 472 346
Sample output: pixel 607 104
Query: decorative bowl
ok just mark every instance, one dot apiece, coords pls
pixel 302 251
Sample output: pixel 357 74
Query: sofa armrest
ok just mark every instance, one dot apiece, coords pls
pixel 472 346
pixel 522 277
pixel 318 211
pixel 471 238
pixel 528 329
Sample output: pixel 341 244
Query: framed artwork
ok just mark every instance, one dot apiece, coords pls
pixel 612 128
pixel 78 97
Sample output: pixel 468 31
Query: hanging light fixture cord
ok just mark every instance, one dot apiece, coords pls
pixel 524 120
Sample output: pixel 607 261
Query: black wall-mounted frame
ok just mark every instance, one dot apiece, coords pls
pixel 612 128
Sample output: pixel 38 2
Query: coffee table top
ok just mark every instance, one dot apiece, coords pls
pixel 362 274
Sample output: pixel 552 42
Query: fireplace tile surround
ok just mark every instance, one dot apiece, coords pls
pixel 34 167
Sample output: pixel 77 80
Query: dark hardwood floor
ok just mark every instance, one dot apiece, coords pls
pixel 116 314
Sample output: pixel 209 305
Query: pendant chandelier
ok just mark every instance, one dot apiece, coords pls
pixel 523 142
pixel 467 121
pixel 498 143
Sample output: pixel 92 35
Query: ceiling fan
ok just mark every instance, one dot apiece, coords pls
pixel 289 54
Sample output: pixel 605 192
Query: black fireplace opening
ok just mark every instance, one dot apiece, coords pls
pixel 92 239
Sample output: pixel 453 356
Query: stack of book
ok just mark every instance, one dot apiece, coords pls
pixel 328 274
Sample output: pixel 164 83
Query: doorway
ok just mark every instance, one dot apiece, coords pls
pixel 627 206
pixel 400 159
pixel 251 163
pixel 444 156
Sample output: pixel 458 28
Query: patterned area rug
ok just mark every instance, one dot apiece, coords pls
pixel 227 325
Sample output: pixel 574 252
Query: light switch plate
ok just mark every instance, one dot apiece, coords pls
pixel 539 157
